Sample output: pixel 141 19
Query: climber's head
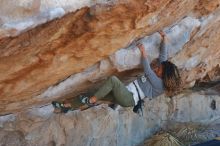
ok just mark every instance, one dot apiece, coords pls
pixel 171 77
pixel 158 69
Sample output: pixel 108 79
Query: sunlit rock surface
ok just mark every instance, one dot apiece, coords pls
pixel 17 16
pixel 89 41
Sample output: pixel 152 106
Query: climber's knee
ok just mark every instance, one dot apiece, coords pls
pixel 114 78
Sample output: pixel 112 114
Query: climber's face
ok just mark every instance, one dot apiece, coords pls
pixel 158 70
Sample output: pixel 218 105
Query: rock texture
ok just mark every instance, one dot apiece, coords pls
pixel 103 126
pixel 37 59
pixel 20 15
pixel 75 52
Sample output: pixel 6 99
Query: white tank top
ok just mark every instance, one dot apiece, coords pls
pixel 132 89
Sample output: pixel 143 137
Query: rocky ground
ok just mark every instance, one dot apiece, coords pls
pixel 56 59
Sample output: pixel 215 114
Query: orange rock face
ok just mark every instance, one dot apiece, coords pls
pixel 47 54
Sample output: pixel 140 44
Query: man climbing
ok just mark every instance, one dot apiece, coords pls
pixel 163 78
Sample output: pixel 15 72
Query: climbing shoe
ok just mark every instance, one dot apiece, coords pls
pixel 59 105
pixel 85 100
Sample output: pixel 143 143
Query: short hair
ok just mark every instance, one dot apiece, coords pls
pixel 171 78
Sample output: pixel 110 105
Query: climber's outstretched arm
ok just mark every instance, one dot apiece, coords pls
pixel 144 60
pixel 149 73
pixel 163 56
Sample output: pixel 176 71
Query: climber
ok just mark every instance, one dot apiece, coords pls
pixel 163 78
